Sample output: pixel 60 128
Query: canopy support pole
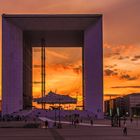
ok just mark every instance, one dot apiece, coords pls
pixel 43 72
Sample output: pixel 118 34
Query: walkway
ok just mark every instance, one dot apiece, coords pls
pixel 68 133
pixel 65 122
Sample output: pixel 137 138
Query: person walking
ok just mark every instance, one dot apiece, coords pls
pixel 131 119
pixel 46 124
pixel 91 122
pixel 75 123
pixel 125 130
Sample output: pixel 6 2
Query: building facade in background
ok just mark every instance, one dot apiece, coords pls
pixel 128 105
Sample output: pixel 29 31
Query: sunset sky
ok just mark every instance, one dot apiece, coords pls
pixel 63 71
pixel 121 23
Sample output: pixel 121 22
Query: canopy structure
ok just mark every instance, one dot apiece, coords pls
pixel 53 98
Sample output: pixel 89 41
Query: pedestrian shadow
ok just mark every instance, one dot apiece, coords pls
pixel 56 135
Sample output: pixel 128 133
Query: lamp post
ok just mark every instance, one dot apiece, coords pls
pixel 110 111
pixel 54 108
pixel 59 111
pixel 137 119
pixel 119 111
pixel 59 125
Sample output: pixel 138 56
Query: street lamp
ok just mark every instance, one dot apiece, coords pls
pixel 59 125
pixel 54 108
pixel 55 116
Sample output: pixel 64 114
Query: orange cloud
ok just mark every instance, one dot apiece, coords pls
pixel 62 75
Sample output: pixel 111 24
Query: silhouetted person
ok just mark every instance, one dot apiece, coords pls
pixel 59 125
pixel 91 122
pixel 72 121
pixel 46 124
pixel 125 130
pixel 131 119
pixel 75 123
pixel 124 120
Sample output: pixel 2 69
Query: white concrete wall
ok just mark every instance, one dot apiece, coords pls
pixel 11 67
pixel 93 68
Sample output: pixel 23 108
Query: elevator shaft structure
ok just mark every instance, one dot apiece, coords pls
pixel 43 72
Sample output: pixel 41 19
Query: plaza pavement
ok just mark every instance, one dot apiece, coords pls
pixel 69 133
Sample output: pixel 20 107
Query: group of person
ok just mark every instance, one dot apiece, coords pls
pixel 115 122
pixel 7 118
pixel 76 119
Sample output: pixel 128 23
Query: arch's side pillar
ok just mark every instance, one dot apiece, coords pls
pixel 11 68
pixel 93 68
pixel 27 72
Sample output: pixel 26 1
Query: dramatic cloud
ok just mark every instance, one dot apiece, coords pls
pixel 122 75
pixel 121 51
pixel 108 72
pixel 122 58
pixel 116 53
pixel 126 87
pixel 135 58
pixel 110 66
pixel 78 70
pixel 128 77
